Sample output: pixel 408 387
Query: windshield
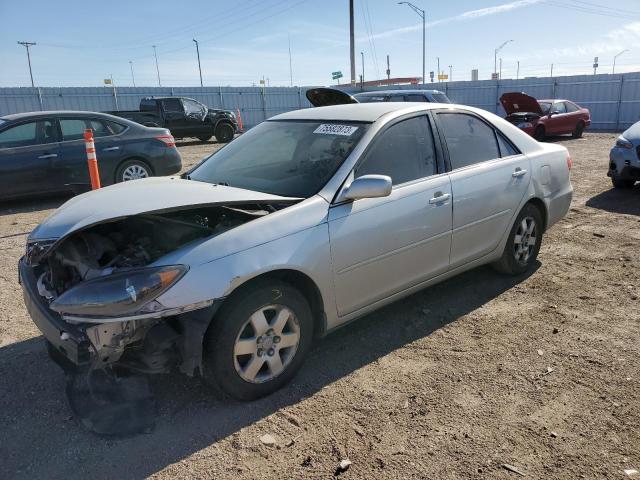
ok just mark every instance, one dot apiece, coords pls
pixel 287 158
pixel 440 98
pixel 545 106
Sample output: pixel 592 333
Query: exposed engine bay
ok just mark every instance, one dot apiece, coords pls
pixel 134 242
pixel 520 117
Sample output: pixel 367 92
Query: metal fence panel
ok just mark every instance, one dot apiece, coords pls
pixel 614 100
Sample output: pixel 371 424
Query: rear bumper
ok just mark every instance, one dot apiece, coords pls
pixel 67 345
pixel 170 163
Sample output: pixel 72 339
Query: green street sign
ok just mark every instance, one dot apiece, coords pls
pixel 336 75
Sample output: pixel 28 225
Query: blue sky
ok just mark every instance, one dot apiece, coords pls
pixel 80 43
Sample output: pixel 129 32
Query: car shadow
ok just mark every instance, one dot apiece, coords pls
pixel 617 200
pixel 12 207
pixel 39 438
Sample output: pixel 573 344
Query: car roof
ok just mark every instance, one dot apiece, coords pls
pixel 358 112
pixel 393 92
pixel 63 113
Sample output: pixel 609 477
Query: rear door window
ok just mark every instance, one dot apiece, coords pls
pixel 571 107
pixel 396 98
pixel 172 105
pixel 72 128
pixel 29 134
pixel 416 98
pixel 404 152
pixel 116 128
pixel 469 140
pixel 558 107
pixel 440 98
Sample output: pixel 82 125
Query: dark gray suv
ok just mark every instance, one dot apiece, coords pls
pixel 44 152
pixel 433 96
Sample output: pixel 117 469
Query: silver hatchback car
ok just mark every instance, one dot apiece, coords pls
pixel 304 223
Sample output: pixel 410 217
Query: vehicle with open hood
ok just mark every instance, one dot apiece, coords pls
pixel 306 222
pixel 543 118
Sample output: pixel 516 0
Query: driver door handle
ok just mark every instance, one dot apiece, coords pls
pixel 110 149
pixel 49 155
pixel 519 173
pixel 443 197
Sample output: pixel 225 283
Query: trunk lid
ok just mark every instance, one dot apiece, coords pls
pixel 324 97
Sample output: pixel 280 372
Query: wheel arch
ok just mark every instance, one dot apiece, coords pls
pixel 301 282
pixel 542 208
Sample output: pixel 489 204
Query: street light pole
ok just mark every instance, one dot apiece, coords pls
pixel 615 57
pixel 133 79
pixel 362 77
pixel 450 73
pixel 27 45
pixel 155 54
pixel 495 56
pixel 199 67
pixel 422 15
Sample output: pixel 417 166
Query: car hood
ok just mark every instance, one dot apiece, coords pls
pixel 516 102
pixel 149 195
pixel 633 133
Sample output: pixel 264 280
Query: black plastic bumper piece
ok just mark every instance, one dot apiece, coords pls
pixel 70 351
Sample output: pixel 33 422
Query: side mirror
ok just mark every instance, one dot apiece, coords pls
pixel 369 186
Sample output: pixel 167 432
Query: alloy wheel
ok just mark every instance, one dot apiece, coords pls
pixel 524 241
pixel 134 172
pixel 266 344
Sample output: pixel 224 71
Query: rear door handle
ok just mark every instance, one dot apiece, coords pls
pixel 443 197
pixel 110 149
pixel 49 155
pixel 519 173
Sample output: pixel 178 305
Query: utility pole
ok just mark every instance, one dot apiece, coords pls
pixel 352 45
pixel 613 70
pixel 552 70
pixel 27 45
pixel 199 67
pixel 422 15
pixel 518 71
pixel 133 79
pixel 438 69
pixel 450 72
pixel 388 69
pixel 290 68
pixel 500 72
pixel 495 56
pixel 155 54
pixel 362 76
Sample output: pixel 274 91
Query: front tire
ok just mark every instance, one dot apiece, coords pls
pixel 133 170
pixel 622 182
pixel 258 340
pixel 224 132
pixel 204 138
pixel 523 244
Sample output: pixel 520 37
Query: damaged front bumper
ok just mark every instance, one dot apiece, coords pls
pixel 161 339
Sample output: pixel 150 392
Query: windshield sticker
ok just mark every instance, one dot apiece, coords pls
pixel 329 129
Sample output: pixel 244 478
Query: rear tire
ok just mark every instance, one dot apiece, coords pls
pixel 204 138
pixel 258 340
pixel 224 132
pixel 622 182
pixel 577 133
pixel 133 170
pixel 539 133
pixel 523 243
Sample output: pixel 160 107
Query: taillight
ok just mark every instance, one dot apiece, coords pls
pixel 168 140
pixel 569 161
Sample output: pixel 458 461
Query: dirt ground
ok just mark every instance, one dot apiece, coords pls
pixel 540 372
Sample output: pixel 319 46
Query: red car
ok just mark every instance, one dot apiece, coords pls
pixel 542 118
